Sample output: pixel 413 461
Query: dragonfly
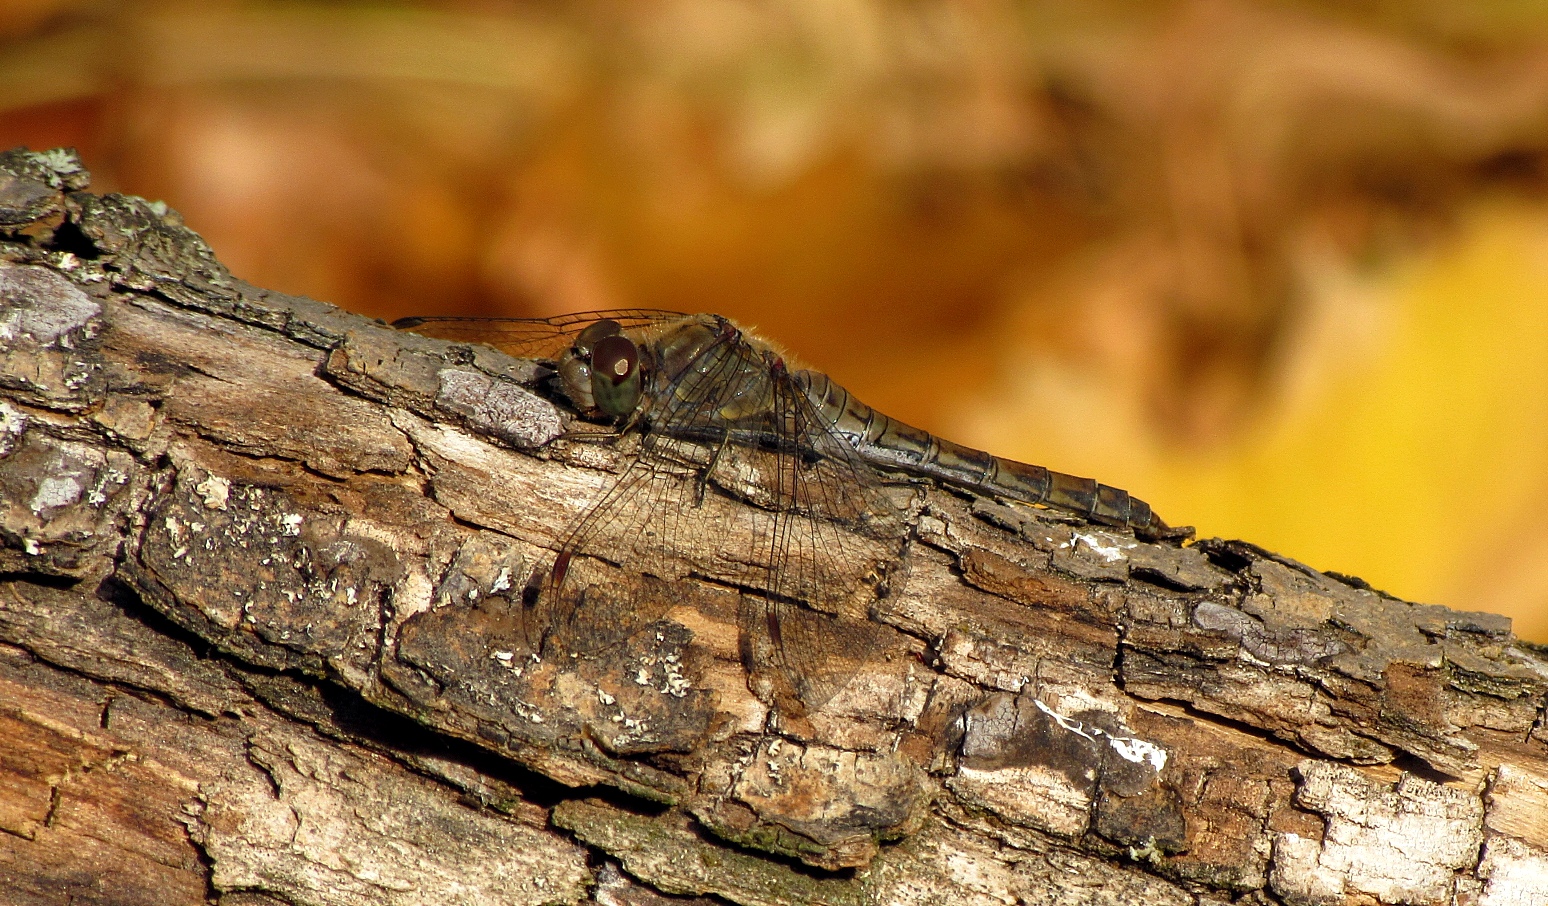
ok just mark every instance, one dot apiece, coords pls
pixel 716 412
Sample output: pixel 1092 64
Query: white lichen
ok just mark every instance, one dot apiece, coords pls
pixel 1108 551
pixel 502 582
pixel 676 684
pixel 55 492
pixel 215 490
pixel 1128 748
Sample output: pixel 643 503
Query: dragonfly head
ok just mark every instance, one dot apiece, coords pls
pixel 602 371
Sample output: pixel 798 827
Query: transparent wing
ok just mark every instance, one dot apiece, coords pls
pixel 821 540
pixel 613 574
pixel 656 520
pixel 833 541
pixel 584 605
pixel 812 551
pixel 529 338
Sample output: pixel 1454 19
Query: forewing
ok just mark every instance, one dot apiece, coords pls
pixel 652 521
pixel 610 573
pixel 607 582
pixel 822 540
pixel 529 338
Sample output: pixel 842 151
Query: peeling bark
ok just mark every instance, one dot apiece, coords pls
pixel 264 639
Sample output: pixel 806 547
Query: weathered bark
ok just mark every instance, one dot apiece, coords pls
pixel 263 640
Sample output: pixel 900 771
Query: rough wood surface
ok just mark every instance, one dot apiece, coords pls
pixel 263 641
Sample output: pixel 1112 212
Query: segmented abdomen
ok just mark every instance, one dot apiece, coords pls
pixel 889 443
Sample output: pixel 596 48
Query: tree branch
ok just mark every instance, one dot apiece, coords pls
pixel 263 639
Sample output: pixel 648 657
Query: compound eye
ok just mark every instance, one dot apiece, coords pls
pixel 617 357
pixel 615 376
pixel 586 341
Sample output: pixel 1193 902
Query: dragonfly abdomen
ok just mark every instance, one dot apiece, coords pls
pixel 889 443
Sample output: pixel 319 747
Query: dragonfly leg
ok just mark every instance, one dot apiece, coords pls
pixel 702 483
pixel 590 437
pixel 604 435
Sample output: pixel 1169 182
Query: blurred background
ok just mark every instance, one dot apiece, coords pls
pixel 1279 268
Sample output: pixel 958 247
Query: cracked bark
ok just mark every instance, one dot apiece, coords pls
pixel 261 641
